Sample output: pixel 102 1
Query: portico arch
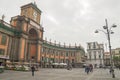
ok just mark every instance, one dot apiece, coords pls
pixel 32 43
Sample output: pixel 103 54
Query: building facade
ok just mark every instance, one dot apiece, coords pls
pixel 116 56
pixel 56 53
pixel 95 53
pixel 116 52
pixel 22 40
pixel 106 58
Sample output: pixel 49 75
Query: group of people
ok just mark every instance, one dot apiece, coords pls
pixel 89 68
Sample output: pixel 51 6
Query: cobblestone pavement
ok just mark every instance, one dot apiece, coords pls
pixel 60 74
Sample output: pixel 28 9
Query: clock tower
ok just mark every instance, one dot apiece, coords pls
pixel 31 11
pixel 31 33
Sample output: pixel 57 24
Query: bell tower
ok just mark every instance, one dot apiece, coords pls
pixel 31 11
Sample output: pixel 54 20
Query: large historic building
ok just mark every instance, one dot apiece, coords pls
pixel 22 40
pixel 95 53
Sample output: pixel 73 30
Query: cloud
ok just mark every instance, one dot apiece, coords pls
pixel 52 19
pixel 72 21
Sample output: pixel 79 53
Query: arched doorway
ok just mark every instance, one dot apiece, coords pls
pixel 32 44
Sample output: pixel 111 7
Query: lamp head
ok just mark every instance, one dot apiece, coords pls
pixel 96 31
pixel 114 25
pixel 111 32
pixel 104 27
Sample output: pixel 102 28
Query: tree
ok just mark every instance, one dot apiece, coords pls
pixel 116 60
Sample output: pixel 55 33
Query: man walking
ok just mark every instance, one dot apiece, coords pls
pixel 32 69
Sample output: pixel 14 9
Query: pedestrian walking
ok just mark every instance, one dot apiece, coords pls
pixel 91 67
pixel 87 69
pixel 69 67
pixel 32 69
pixel 110 70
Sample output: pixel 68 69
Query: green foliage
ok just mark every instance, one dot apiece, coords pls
pixel 2 51
pixel 116 58
pixel 22 68
pixel 7 68
pixel 19 68
pixel 1 70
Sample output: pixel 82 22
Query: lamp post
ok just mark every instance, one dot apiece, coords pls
pixel 108 32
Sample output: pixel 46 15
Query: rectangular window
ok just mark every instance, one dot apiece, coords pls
pixel 67 60
pixel 66 53
pixel 61 54
pixel 3 40
pixel 42 58
pixel 90 55
pixel 119 52
pixel 42 49
pixel 73 54
pixel 2 51
pixel 56 53
pixel 56 60
pixel 89 46
pixel 53 51
pixel 95 56
pixel 94 46
pixel 48 50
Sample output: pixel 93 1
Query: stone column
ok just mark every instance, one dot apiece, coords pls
pixel 22 49
pixel 39 51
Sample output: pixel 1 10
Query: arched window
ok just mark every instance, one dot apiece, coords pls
pixel 33 34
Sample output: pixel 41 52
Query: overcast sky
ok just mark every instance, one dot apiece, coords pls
pixel 72 21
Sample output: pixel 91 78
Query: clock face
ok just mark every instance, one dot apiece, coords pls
pixel 35 15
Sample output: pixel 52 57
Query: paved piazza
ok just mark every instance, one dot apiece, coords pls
pixel 60 74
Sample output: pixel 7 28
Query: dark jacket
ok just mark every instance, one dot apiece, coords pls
pixel 33 68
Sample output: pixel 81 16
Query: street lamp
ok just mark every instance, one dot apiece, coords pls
pixel 108 32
